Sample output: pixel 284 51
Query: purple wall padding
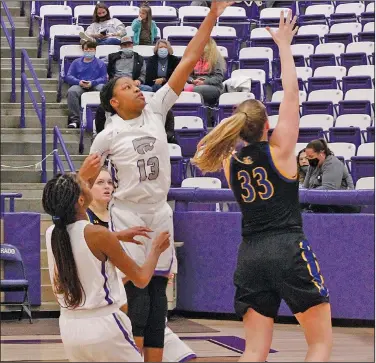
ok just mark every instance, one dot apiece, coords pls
pixel 23 231
pixel 343 243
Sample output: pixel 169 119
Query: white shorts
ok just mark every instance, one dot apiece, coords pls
pixel 126 215
pixel 175 350
pixel 100 335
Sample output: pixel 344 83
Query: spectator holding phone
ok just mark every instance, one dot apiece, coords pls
pixel 207 76
pixel 144 27
pixel 86 74
pixel 104 29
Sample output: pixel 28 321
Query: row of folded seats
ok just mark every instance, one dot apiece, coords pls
pixel 359 161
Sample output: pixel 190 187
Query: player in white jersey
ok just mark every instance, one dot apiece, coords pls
pixel 82 261
pixel 136 143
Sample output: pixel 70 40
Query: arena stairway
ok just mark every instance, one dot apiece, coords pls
pixel 20 147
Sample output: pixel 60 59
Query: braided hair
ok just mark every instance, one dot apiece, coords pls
pixel 60 196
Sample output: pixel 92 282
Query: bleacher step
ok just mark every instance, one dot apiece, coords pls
pixel 22 29
pixel 32 49
pixel 6 72
pixel 22 160
pixel 42 62
pixel 50 95
pixel 33 121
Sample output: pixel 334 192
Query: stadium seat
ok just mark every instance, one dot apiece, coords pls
pixel 228 102
pixel 177 165
pixel 179 35
pixel 126 14
pixel 83 15
pixel 258 77
pixel 189 104
pixel 365 183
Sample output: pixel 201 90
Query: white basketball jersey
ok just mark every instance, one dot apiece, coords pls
pixel 138 151
pixel 99 280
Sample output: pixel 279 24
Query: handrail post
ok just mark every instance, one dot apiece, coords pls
pixel 22 119
pixel 44 146
pixel 55 152
pixel 13 54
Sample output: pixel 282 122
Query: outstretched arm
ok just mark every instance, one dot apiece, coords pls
pixel 196 47
pixel 285 135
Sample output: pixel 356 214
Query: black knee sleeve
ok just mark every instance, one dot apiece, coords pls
pixel 155 327
pixel 138 308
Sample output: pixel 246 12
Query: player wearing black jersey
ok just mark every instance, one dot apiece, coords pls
pixel 275 260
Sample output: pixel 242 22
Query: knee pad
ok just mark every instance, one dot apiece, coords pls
pixel 155 328
pixel 138 308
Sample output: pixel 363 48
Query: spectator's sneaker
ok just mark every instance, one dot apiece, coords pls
pixel 85 37
pixel 73 125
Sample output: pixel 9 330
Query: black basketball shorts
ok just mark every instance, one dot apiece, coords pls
pixel 275 266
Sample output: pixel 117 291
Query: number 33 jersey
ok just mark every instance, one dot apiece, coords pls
pixel 268 198
pixel 138 151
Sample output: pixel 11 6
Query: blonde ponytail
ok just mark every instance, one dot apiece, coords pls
pixel 219 143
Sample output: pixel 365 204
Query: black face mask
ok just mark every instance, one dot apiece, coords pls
pixel 102 17
pixel 304 168
pixel 313 162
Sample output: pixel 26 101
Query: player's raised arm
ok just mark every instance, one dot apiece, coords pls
pixel 196 46
pixel 285 135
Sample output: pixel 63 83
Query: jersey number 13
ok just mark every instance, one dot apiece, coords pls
pixel 153 167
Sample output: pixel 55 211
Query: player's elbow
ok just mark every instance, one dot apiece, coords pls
pixel 142 280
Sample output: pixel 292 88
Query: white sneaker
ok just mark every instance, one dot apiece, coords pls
pixel 85 37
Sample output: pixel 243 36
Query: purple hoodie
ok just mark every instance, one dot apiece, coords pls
pixel 94 71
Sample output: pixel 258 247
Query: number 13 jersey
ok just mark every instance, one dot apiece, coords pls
pixel 138 151
pixel 269 200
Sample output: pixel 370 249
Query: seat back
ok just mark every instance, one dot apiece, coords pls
pixel 322 121
pixel 332 95
pixel 12 263
pixel 365 183
pixel 103 51
pixel 188 122
pixel 325 9
pixel 126 14
pixel 363 70
pixel 367 149
pixel 353 120
pixel 89 104
pixel 68 53
pixel 353 8
pixel 331 71
pixel 330 48
pixel 9 252
pixel 344 149
pixel 188 104
pixel 228 102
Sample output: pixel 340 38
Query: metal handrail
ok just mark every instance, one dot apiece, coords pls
pixel 58 163
pixel 41 112
pixel 11 38
pixel 11 197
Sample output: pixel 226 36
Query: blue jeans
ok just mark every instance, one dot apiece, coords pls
pixel 108 41
pixel 145 88
pixel 156 87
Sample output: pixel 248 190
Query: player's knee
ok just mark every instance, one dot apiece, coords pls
pixel 138 308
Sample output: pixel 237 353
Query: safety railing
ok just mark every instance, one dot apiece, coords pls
pixel 11 197
pixel 40 111
pixel 11 38
pixel 58 162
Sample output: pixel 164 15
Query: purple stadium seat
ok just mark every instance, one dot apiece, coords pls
pixel 345 134
pixel 164 16
pixel 321 60
pixel 312 19
pixel 351 82
pixel 317 107
pixel 178 3
pixel 366 36
pixel 277 84
pixel 177 171
pixel 350 106
pixel 367 17
pixel 353 59
pixel 236 17
pixel 371 134
pixel 304 4
pixel 317 83
pixel 226 37
pixel 189 104
pixel 343 18
pixel 228 102
pixel 362 166
pixel 218 174
pixel 272 108
pixel 74 3
pixel 53 15
pixel 313 39
pixel 188 140
pixel 126 14
pixel 345 38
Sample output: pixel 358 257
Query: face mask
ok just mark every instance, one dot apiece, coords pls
pixel 102 17
pixel 304 168
pixel 89 55
pixel 313 162
pixel 162 52
pixel 128 52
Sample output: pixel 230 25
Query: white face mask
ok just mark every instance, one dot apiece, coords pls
pixel 162 52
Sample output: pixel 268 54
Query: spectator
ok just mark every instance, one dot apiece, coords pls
pixel 207 76
pixel 161 65
pixel 326 172
pixel 201 3
pixel 86 74
pixel 104 29
pixel 144 28
pixel 302 166
pixel 128 63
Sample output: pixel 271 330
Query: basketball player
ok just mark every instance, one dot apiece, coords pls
pixel 82 258
pixel 275 260
pixel 175 350
pixel 136 144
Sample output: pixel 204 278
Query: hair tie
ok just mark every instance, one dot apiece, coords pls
pixel 246 115
pixel 55 218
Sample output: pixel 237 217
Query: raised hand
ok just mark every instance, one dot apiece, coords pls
pixel 286 31
pixel 219 6
pixel 162 242
pixel 129 234
pixel 90 167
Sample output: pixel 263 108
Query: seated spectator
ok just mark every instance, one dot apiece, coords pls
pixel 207 76
pixel 161 65
pixel 302 166
pixel 201 3
pixel 104 29
pixel 144 28
pixel 85 74
pixel 327 172
pixel 102 117
pixel 128 63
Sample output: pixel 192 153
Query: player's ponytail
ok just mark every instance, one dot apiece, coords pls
pixel 246 124
pixel 60 196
